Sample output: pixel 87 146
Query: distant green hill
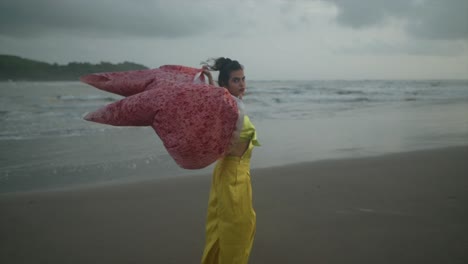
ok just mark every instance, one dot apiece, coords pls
pixel 16 68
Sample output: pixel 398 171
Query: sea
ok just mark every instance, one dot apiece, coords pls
pixel 45 143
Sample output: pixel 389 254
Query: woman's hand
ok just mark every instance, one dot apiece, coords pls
pixel 207 73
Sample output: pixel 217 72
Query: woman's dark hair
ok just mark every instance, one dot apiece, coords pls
pixel 225 66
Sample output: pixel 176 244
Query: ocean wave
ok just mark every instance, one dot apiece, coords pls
pixel 69 98
pixel 269 101
pixel 347 92
pixel 278 100
pixel 359 99
pixel 58 111
pixel 255 102
pixel 46 133
pixel 341 100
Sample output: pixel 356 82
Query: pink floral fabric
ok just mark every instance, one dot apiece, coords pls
pixel 195 121
pixel 133 82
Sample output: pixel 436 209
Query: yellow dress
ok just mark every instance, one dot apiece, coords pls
pixel 231 219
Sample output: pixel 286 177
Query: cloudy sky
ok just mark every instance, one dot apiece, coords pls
pixel 274 39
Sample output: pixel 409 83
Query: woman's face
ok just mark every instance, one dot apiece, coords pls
pixel 236 83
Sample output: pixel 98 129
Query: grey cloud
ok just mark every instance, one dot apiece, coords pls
pixel 429 19
pixel 441 20
pixel 418 48
pixel 105 18
pixel 364 13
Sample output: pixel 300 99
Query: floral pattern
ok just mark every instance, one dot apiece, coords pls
pixel 195 121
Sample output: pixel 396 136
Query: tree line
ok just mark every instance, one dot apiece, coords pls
pixel 19 69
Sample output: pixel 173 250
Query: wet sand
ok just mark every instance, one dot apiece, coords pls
pixel 400 208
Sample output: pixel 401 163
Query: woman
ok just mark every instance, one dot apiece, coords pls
pixel 230 226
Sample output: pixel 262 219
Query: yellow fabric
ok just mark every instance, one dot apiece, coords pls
pixel 248 132
pixel 231 219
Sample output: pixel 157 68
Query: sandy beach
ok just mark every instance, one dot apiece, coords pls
pixel 400 208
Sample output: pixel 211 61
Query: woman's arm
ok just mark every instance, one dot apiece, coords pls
pixel 208 74
pixel 238 149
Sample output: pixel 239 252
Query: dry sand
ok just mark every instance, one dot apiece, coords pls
pixel 400 208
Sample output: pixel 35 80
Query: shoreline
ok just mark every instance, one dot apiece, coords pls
pixel 408 207
pixel 206 172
